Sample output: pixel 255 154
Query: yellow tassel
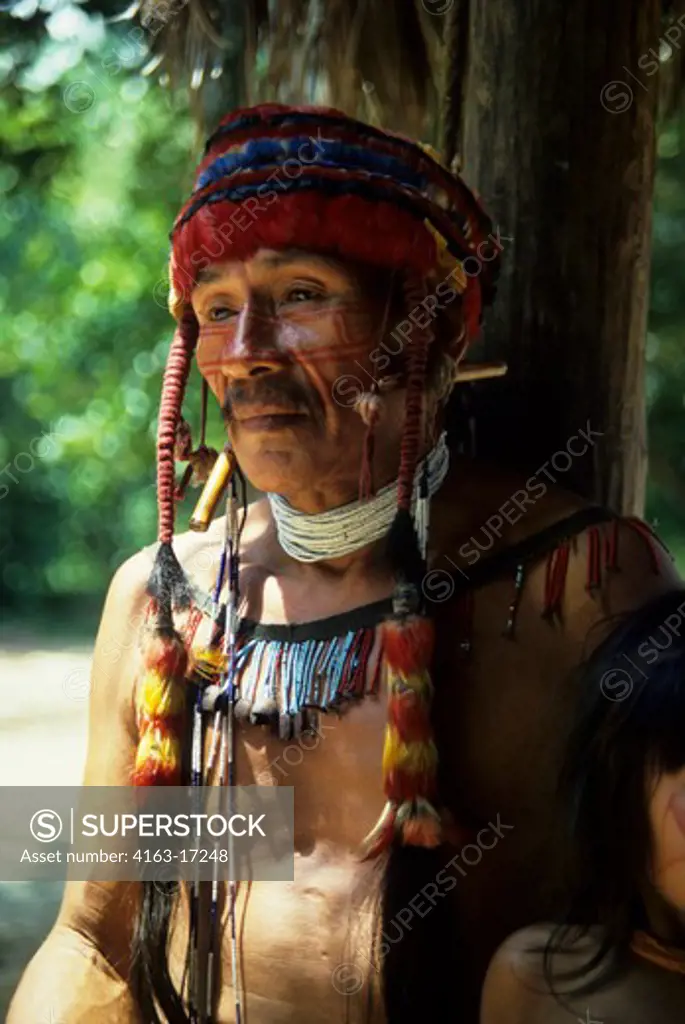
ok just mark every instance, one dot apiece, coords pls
pixel 413 758
pixel 159 697
pixel 158 758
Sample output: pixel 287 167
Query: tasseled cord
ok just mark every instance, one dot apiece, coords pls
pixel 160 699
pixel 369 405
pixel 409 754
pixel 201 459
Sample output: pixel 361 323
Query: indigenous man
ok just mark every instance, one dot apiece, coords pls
pixel 328 276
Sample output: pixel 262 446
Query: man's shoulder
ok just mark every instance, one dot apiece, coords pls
pixel 198 552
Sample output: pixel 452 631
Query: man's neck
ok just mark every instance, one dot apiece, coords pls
pixel 365 561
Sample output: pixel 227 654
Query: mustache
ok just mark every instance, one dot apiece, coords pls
pixel 285 393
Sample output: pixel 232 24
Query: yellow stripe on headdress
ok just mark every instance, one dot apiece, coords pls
pixel 447 264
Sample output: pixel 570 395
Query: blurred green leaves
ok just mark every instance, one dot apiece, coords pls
pixel 95 161
pixel 87 199
pixel 665 378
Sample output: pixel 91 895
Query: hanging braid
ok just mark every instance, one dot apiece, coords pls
pixel 419 346
pixel 403 549
pixel 173 391
pixel 160 699
pixel 409 753
pixel 420 973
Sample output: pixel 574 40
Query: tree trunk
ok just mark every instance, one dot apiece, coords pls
pixel 559 140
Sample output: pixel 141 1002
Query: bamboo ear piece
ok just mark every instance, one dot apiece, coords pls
pixel 213 490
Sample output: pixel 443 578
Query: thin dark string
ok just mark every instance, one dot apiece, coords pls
pixel 203 411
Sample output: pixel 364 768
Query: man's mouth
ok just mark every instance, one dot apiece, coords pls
pixel 268 418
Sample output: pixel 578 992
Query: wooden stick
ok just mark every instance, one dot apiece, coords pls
pixel 479 371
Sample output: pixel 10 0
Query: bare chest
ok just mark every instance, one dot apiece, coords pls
pixel 502 705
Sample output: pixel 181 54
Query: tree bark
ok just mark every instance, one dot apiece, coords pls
pixel 559 140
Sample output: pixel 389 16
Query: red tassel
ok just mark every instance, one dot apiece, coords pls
pixel 408 644
pixel 166 655
pixel 408 713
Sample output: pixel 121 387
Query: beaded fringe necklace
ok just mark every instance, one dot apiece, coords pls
pixel 284 675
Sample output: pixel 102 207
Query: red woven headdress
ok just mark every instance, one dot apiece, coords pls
pixel 314 179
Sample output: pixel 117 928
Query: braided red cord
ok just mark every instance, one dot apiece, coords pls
pixel 555 578
pixel 415 292
pixel 560 571
pixel 173 390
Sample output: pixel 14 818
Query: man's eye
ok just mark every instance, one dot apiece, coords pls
pixel 219 312
pixel 301 295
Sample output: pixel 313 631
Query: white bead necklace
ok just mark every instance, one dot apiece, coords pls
pixel 340 531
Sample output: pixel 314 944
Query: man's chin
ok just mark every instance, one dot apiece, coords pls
pixel 272 461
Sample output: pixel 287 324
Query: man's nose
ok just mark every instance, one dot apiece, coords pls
pixel 253 350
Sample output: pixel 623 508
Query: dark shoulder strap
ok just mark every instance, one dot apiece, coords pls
pixel 533 547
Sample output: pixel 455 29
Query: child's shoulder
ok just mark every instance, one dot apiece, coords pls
pixel 517 986
pixel 516 990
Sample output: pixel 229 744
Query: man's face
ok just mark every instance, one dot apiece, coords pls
pixel 288 340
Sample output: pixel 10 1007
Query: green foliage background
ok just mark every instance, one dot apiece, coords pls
pixel 95 161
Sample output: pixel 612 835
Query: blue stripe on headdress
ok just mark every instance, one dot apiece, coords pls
pixel 260 154
pixel 316 119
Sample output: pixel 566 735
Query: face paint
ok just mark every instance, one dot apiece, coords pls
pixel 249 339
pixel 276 338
